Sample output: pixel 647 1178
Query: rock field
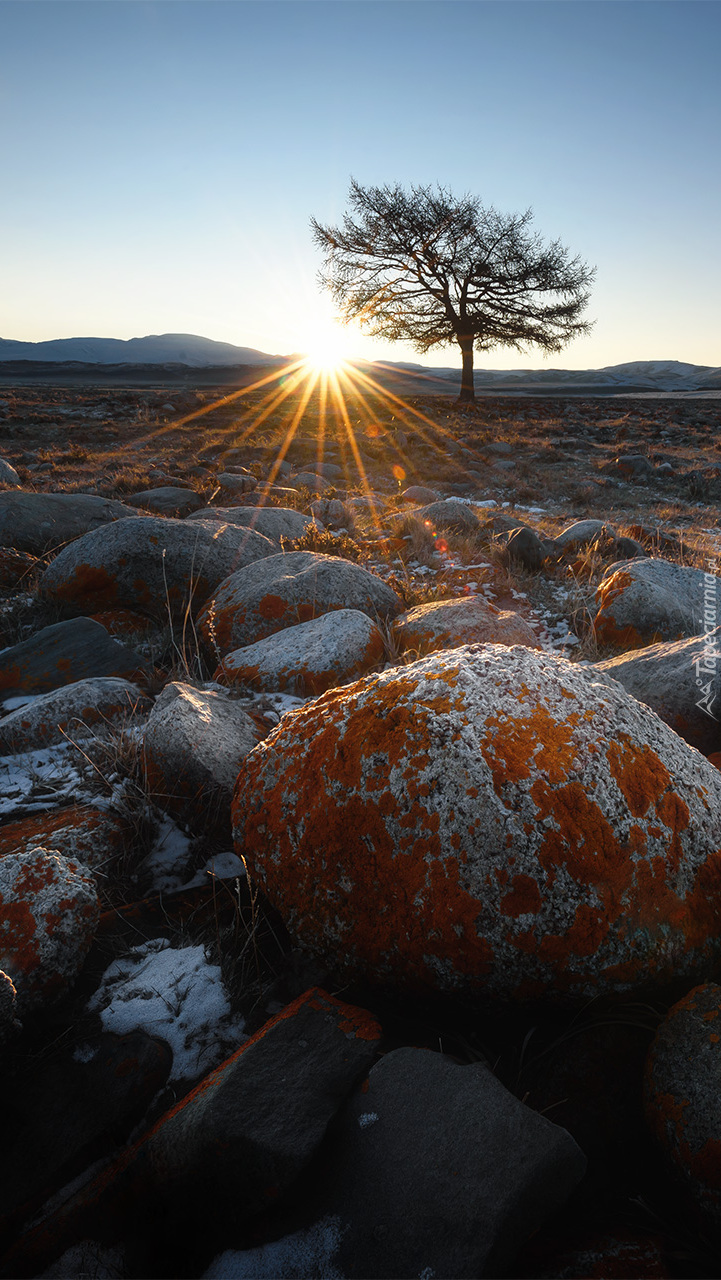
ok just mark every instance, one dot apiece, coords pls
pixel 360 834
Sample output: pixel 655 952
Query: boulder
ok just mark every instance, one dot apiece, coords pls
pixel 273 522
pixel 581 533
pixel 35 522
pixel 80 833
pixel 9 1025
pixel 231 485
pixel 48 916
pixel 264 598
pixel 680 681
pixel 450 514
pixel 309 480
pixel 493 822
pixel 419 493
pixel 194 743
pixel 227 1150
pixel 64 653
pixel 435 1169
pixel 308 659
pixel 644 601
pixel 525 546
pixel 151 565
pixel 448 624
pixel 332 513
pixel 69 712
pixel 168 500
pixel 682 1095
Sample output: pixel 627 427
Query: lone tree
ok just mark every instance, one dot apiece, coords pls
pixel 428 268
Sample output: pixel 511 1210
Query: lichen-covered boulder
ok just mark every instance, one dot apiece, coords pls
pixel 36 522
pixel 151 565
pixel 645 601
pixel 273 522
pixel 491 822
pixel 682 1094
pixel 194 742
pixel 448 624
pixel 69 712
pixel 81 833
pixel 48 916
pixel 680 681
pixel 309 658
pixel 283 590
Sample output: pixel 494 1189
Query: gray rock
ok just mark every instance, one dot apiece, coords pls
pixel 8 474
pixel 582 533
pixel 680 681
pixel 435 1169
pixel 525 546
pixel 9 1025
pixel 309 658
pixel 61 654
pixel 264 598
pixel 332 513
pixel 419 493
pixel 151 565
pixel 450 514
pixel 646 601
pixel 273 522
pixel 35 522
pixel 309 480
pixel 194 743
pixel 231 485
pixel 169 500
pixel 71 712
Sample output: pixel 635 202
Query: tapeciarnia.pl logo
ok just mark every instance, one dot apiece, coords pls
pixel 707 662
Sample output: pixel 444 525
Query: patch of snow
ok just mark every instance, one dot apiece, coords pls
pixel 22 700
pixel 88 1258
pixel 167 861
pixel 33 781
pixel 224 866
pixel 368 1117
pixel 176 994
pixel 307 1254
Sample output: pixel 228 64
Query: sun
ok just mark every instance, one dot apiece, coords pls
pixel 326 349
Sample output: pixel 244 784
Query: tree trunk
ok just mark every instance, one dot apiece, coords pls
pixel 468 391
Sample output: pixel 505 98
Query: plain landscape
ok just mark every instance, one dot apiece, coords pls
pixel 268 641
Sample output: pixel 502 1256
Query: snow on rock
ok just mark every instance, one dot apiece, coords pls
pixel 176 994
pixel 310 657
pixel 49 912
pixel 312 1251
pixel 495 822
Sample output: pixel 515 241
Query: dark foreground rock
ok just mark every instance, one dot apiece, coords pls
pixel 61 654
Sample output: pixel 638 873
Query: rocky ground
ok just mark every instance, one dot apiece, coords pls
pixel 359 860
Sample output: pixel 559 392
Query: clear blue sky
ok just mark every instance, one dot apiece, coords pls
pixel 160 162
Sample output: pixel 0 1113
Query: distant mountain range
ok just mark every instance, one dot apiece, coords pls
pixel 196 352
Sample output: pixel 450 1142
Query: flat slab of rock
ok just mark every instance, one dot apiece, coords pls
pixel 647 601
pixel 168 500
pixel 151 565
pixel 264 598
pixel 69 712
pixel 194 743
pixel 680 681
pixel 49 912
pixel 447 624
pixel 36 522
pixel 273 522
pixel 63 653
pixel 435 1169
pixel 495 822
pixel 310 658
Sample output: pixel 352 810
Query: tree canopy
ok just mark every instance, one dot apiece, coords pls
pixel 425 267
